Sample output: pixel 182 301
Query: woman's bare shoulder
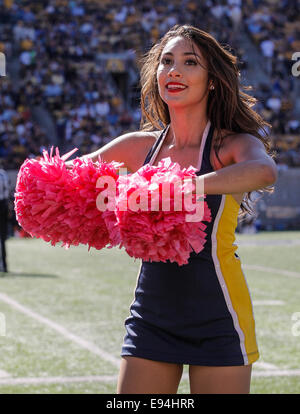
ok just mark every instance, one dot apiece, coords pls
pixel 141 142
pixel 130 148
pixel 150 136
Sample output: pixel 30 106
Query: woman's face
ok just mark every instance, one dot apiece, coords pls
pixel 181 75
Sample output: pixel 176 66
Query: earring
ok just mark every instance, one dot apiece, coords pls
pixel 212 87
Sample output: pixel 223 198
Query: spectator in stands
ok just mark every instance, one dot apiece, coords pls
pixel 235 15
pixel 267 48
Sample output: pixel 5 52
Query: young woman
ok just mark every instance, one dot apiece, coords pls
pixel 199 314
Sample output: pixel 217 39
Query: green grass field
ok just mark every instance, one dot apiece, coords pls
pixel 62 315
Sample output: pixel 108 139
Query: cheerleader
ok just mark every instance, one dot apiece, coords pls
pixel 199 314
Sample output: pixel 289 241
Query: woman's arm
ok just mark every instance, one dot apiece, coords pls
pixel 252 168
pixel 128 148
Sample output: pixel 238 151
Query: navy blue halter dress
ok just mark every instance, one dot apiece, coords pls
pixel 199 313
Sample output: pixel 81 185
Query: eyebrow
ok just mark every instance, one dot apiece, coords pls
pixel 185 54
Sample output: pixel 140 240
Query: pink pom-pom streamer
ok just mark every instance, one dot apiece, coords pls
pixel 98 226
pixel 58 204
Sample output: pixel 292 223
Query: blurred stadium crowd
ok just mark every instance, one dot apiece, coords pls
pixel 79 61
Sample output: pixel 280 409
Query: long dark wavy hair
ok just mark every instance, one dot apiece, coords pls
pixel 228 107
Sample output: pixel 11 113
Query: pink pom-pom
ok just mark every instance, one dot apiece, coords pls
pixel 98 227
pixel 164 234
pixel 59 205
pixel 39 198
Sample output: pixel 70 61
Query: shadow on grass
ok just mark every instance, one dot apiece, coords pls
pixel 20 274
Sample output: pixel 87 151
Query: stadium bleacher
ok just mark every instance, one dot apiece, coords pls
pixel 57 48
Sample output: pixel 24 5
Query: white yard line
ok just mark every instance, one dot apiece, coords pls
pixel 4 374
pixel 114 378
pixel 268 302
pixel 271 270
pixel 277 373
pixel 264 365
pixel 60 329
pixel 57 380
